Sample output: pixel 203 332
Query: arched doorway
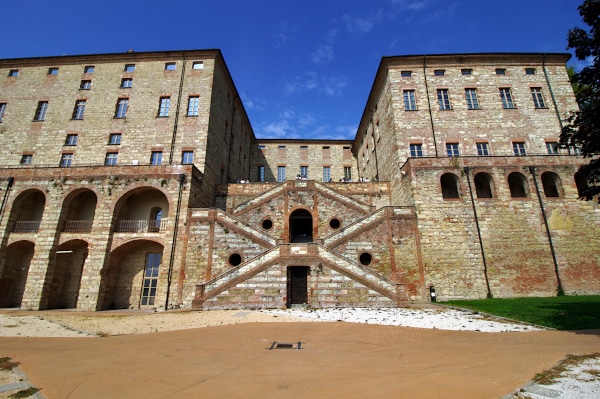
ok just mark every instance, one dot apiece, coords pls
pixel 301 226
pixel 70 258
pixel 14 275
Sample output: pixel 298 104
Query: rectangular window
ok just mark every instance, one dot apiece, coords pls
pixel 26 159
pixel 443 99
pixel 111 158
pixel 163 106
pixel 409 100
pixel 471 97
pixel 121 109
pixel 326 173
pixel 114 139
pixel 466 71
pixel 406 74
pixel 187 157
pixel 198 65
pixel 529 71
pixel 156 158
pixel 552 147
pixel 71 139
pixel 303 148
pixel 150 283
pixel 439 72
pixel 482 149
pixel 506 97
pixel 500 71
pixel 2 110
pixel 126 83
pixel 129 67
pixel 89 69
pixel 304 172
pixel 13 73
pixel 79 109
pixel 281 147
pixel 281 173
pixel 40 112
pixel 170 66
pixel 538 99
pixel 519 149
pixel 348 173
pixel 85 85
pixel 53 71
pixel 452 149
pixel 66 160
pixel 416 150
pixel 193 103
pixel 261 173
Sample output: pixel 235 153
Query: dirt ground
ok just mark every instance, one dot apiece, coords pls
pixel 335 359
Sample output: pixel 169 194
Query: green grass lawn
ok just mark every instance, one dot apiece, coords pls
pixel 561 313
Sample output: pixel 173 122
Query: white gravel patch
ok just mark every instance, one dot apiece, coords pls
pixel 33 326
pixel 440 318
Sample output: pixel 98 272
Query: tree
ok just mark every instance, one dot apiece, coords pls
pixel 582 130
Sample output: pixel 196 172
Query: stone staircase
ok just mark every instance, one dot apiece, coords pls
pixel 351 230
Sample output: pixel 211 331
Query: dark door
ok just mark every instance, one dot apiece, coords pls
pixel 297 285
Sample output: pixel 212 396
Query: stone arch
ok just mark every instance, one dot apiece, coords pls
pixel 484 185
pixel 78 211
pixel 301 226
pixel 449 184
pixel 14 274
pixel 27 211
pixel 551 184
pixel 69 259
pixel 136 210
pixel 518 186
pixel 131 278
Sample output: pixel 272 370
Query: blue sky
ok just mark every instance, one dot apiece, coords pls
pixel 304 69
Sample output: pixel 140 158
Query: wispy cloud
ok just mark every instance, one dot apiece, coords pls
pixel 362 25
pixel 331 86
pixel 413 5
pixel 324 52
pixel 283 33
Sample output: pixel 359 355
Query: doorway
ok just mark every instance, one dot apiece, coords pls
pixel 297 285
pixel 301 226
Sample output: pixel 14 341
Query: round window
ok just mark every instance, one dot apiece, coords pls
pixel 235 259
pixel 365 259
pixel 335 224
pixel 267 224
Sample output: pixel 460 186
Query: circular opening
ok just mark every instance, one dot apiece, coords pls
pixel 267 224
pixel 335 223
pixel 365 259
pixel 235 259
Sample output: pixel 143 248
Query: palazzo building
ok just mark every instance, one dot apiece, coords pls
pixel 135 180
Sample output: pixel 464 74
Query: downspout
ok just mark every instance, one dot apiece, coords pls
pixel 174 243
pixel 230 137
pixel 174 136
pixel 560 291
pixel 429 106
pixel 6 191
pixel 551 92
pixel 375 150
pixel 485 271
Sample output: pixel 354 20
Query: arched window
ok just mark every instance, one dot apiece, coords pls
pixel 551 184
pixel 155 218
pixel 581 183
pixel 483 185
pixel 449 183
pixel 518 185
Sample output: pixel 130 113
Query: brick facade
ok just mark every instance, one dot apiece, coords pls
pixel 135 181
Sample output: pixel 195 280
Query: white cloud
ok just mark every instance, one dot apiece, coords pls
pixel 363 25
pixel 413 5
pixel 347 132
pixel 331 86
pixel 278 129
pixel 283 33
pixel 324 52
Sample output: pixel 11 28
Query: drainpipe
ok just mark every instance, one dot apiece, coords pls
pixel 230 137
pixel 537 190
pixel 174 243
pixel 429 106
pixel 485 271
pixel 6 191
pixel 174 136
pixel 375 149
pixel 551 92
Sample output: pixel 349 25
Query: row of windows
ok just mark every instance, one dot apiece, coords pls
pixel 111 158
pixel 121 108
pixel 89 69
pixel 303 175
pixel 484 185
pixel 443 97
pixel 466 72
pixel 519 150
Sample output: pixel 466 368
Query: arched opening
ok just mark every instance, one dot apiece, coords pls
pixel 131 280
pixel 27 211
pixel 551 184
pixel 449 183
pixel 79 210
pixel 69 260
pixel 301 226
pixel 14 274
pixel 142 210
pixel 518 185
pixel 483 185
pixel 581 183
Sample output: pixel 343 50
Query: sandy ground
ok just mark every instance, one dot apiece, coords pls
pixel 583 382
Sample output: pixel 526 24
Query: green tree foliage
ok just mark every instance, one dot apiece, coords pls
pixel 583 128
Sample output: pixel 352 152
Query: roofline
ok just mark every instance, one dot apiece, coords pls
pixel 315 141
pixel 440 55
